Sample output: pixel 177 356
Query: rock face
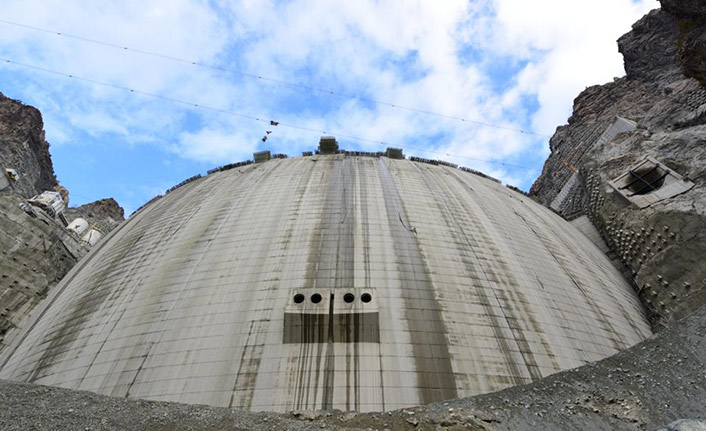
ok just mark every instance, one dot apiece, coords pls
pixel 105 214
pixel 692 35
pixel 35 251
pixel 35 254
pixel 662 105
pixel 686 425
pixel 23 147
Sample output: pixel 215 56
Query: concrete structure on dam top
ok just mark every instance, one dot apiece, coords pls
pixel 329 281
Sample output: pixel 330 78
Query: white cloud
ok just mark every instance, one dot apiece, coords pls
pixel 513 63
pixel 568 44
pixel 215 145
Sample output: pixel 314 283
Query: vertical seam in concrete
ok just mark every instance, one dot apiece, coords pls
pixel 438 383
pixel 329 366
pixel 511 364
pixel 514 292
pixel 609 292
pixel 196 265
pixel 364 223
pixel 606 325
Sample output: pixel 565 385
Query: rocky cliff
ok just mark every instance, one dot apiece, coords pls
pixel 105 214
pixel 36 251
pixel 23 147
pixel 692 35
pixel 598 165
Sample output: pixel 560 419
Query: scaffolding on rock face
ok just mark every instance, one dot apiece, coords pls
pixel 571 202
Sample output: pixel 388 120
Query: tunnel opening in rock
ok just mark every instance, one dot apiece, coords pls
pixel 645 180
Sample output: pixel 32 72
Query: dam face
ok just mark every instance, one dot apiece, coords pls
pixel 354 283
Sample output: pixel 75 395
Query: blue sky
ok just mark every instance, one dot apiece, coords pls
pixel 511 63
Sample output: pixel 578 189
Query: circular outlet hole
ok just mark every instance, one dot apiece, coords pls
pixel 349 297
pixel 298 298
pixel 316 298
pixel 366 297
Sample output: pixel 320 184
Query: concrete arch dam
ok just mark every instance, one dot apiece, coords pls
pixel 329 281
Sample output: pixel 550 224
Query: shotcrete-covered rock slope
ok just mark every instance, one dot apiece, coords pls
pixel 35 252
pixel 657 110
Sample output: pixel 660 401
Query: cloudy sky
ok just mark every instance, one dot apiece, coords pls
pixel 482 83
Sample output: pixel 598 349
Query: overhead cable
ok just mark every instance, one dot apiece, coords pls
pixel 245 116
pixel 273 80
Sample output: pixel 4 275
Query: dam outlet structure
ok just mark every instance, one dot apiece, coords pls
pixel 329 281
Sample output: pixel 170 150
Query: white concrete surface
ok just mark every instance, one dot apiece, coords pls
pixel 473 288
pixel 584 225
